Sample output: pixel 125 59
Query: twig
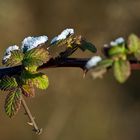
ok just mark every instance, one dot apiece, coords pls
pixel 56 63
pixel 31 118
pixel 52 63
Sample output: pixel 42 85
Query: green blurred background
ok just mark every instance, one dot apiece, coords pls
pixel 73 108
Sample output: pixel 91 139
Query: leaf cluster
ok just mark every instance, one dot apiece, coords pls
pixel 118 58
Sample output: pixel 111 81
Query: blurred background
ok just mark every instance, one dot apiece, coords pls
pixel 73 108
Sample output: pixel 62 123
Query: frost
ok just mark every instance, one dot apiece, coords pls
pixel 5 58
pixel 64 34
pixel 93 62
pixel 8 51
pixel 11 48
pixel 30 43
pixel 118 41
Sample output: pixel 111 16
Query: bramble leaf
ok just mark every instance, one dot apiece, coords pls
pixel 15 58
pixel 35 58
pixel 28 90
pixel 105 63
pixel 87 46
pixel 13 102
pixel 8 83
pixel 116 50
pixel 121 70
pixel 40 80
pixel 133 43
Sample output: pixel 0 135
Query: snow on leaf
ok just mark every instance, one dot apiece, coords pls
pixel 63 35
pixel 30 43
pixel 8 51
pixel 118 41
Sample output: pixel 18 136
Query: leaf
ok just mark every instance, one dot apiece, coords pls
pixel 8 83
pixel 121 70
pixel 35 58
pixel 28 90
pixel 87 46
pixel 98 73
pixel 40 80
pixel 105 63
pixel 63 42
pixel 68 52
pixel 15 58
pixel 116 50
pixel 133 43
pixel 101 68
pixel 13 102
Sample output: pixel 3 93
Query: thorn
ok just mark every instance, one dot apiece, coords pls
pixel 30 123
pixel 84 73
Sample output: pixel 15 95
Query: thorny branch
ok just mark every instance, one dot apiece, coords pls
pixel 56 63
pixel 53 63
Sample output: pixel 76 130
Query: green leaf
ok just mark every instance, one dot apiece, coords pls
pixel 133 43
pixel 28 90
pixel 105 63
pixel 13 102
pixel 8 83
pixel 16 58
pixel 121 70
pixel 35 58
pixel 40 80
pixel 117 50
pixel 87 46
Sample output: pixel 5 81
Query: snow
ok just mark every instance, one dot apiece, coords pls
pixel 93 62
pixel 30 43
pixel 8 51
pixel 64 34
pixel 118 41
pixel 11 48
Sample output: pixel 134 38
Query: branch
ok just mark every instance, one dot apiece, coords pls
pixel 56 63
pixel 52 63
pixel 31 118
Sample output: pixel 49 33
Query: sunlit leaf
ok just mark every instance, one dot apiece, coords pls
pixel 116 50
pixel 35 58
pixel 133 43
pixel 13 102
pixel 15 58
pixel 121 70
pixel 8 83
pixel 40 80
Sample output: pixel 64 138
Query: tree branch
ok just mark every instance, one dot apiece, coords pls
pixel 52 63
pixel 56 63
